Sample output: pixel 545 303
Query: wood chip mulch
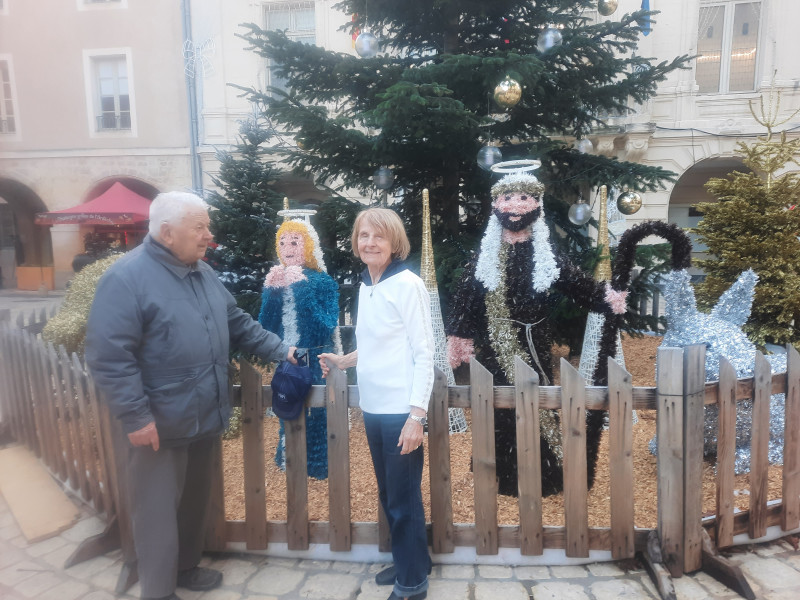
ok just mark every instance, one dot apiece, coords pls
pixel 640 357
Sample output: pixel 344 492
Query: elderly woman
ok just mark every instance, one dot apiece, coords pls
pixel 394 338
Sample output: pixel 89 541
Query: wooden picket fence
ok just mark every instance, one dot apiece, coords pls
pixel 50 404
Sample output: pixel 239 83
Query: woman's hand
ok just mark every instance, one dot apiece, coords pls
pixel 328 358
pixel 412 433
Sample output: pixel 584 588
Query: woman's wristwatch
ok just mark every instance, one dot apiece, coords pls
pixel 421 420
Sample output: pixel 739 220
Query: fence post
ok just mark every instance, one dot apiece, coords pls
pixel 669 432
pixel 620 456
pixel 694 374
pixel 439 466
pixel 790 515
pixel 481 392
pixel 576 492
pixel 255 495
pixel 529 458
pixel 336 401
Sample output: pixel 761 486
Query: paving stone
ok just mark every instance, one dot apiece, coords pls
pixel 457 572
pixel 6 517
pixel 45 546
pixel 769 574
pixel 330 586
pixel 507 590
pixel 495 571
pixel 99 595
pixel 59 556
pixel 220 594
pixel 348 567
pixel 714 587
pixel 449 590
pixel 105 579
pixel 773 548
pixel 617 588
pixel 66 590
pixel 293 562
pixel 234 571
pixel 605 569
pixel 687 588
pixel 10 555
pixel 793 560
pixel 375 567
pixel 532 573
pixel 275 580
pixel 251 597
pixel 569 572
pixel 33 586
pixel 558 590
pixel 87 568
pixel 371 591
pixel 14 574
pixel 83 529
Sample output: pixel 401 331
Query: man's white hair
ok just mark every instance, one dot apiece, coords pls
pixel 171 207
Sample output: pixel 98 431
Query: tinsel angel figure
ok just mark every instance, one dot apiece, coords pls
pixel 505 291
pixel 301 304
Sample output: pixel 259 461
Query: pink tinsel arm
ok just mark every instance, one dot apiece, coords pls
pixel 617 300
pixel 280 276
pixel 459 350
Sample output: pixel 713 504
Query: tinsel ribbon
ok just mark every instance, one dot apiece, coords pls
pixel 504 341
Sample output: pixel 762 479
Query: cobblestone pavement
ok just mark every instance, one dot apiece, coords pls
pixel 36 571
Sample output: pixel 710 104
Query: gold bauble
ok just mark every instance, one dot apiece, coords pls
pixel 607 7
pixel 507 93
pixel 629 202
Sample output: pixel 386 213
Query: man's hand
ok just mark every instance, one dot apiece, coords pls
pixel 290 357
pixel 146 436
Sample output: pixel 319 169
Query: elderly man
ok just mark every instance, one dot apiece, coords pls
pixel 157 345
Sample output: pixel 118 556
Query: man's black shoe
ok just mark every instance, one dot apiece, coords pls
pixel 420 596
pixel 199 579
pixel 389 574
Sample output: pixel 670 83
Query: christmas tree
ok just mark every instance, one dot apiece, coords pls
pixel 755 224
pixel 424 106
pixel 245 220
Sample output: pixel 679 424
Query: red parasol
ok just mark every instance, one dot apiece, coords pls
pixel 116 206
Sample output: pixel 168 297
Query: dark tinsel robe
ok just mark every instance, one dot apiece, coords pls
pixel 316 303
pixel 469 319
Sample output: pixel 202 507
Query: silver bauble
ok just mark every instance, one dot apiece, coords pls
pixel 607 7
pixel 579 213
pixel 629 202
pixel 507 93
pixel 489 155
pixel 366 45
pixel 549 38
pixel 584 146
pixel 383 178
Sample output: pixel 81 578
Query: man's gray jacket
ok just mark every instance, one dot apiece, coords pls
pixel 157 344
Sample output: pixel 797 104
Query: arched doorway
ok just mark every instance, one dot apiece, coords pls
pixel 23 245
pixel 690 190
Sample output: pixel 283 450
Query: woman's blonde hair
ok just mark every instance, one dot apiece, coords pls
pixel 308 243
pixel 388 223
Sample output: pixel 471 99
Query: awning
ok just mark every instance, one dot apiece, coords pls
pixel 116 206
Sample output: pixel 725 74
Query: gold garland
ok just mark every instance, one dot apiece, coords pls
pixel 505 343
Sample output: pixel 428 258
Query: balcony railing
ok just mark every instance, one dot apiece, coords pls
pixel 114 121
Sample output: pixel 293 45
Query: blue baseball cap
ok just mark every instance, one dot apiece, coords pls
pixel 290 386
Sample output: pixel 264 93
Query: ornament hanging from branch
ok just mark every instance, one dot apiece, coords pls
pixel 579 213
pixel 488 156
pixel 549 38
pixel 383 178
pixel 366 45
pixel 607 7
pixel 508 93
pixel 629 202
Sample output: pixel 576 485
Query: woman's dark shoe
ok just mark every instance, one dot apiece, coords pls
pixel 199 579
pixel 387 576
pixel 420 596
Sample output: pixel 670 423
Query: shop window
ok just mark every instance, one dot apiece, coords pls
pixel 297 20
pixel 727 46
